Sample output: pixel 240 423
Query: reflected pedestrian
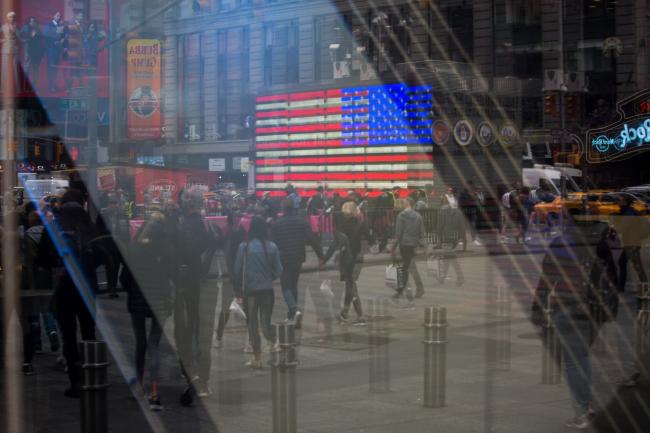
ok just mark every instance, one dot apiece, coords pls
pixel 350 231
pixel 257 265
pixel 148 282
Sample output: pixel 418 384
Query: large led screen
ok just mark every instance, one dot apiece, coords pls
pixel 362 138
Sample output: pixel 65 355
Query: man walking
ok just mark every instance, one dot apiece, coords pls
pixel 291 233
pixel 409 232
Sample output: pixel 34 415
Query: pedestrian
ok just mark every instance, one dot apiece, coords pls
pixel 194 307
pixel 234 236
pixel 292 233
pixel 316 203
pixel 576 281
pixel 112 226
pixel 409 233
pixel 468 203
pixel 293 196
pixel 75 285
pixel 148 282
pixel 54 41
pixel 350 231
pixel 633 230
pixel 257 265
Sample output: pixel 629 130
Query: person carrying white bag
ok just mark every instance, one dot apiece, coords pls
pixel 257 265
pixel 349 232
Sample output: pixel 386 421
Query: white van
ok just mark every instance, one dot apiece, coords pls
pixel 531 177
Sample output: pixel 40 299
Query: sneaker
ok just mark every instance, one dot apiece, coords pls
pixel 54 341
pixel 218 344
pixel 203 391
pixel 477 242
pixel 255 364
pixel 248 348
pixel 409 305
pixel 297 318
pixel 359 321
pixel 154 404
pixel 343 318
pixel 419 293
pixel 580 422
pixel 28 369
pixel 187 397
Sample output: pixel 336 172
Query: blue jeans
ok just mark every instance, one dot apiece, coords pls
pixel 575 337
pixel 289 283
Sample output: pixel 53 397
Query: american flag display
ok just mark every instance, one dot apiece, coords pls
pixel 357 138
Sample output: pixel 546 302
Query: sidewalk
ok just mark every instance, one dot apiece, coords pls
pixel 333 376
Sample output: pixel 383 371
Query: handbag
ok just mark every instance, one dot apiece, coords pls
pixel 394 277
pixel 326 289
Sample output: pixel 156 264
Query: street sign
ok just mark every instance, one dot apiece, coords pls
pixel 74 104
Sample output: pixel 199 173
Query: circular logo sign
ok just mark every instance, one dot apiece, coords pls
pixel 144 102
pixel 485 134
pixel 463 132
pixel 440 132
pixel 508 134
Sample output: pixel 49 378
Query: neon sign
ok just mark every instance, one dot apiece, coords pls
pixel 626 135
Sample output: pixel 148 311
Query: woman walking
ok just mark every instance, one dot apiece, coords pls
pixel 350 230
pixel 257 265
pixel 147 280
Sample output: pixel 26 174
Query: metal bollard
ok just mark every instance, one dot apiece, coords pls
pixel 551 353
pixel 283 379
pixel 643 326
pixel 435 356
pixel 94 385
pixel 378 361
pixel 503 331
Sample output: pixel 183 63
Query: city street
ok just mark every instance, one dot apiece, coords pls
pixel 484 393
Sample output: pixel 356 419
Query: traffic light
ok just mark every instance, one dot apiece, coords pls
pixel 550 105
pixel 571 104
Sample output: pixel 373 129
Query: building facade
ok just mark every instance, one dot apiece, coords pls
pixel 550 68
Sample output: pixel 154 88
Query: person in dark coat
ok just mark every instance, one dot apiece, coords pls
pixel 54 41
pixel 349 233
pixel 34 48
pixel 148 282
pixel 291 233
pixel 75 277
pixel 194 307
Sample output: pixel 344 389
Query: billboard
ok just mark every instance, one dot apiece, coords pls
pixel 360 138
pixel 143 88
pixel 59 45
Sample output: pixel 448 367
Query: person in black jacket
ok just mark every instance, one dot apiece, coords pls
pixel 75 277
pixel 291 233
pixel 148 282
pixel 349 233
pixel 194 308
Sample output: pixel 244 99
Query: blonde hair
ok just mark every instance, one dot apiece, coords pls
pixel 350 208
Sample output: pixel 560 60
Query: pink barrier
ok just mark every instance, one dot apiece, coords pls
pixel 321 223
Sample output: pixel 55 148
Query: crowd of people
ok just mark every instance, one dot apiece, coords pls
pixel 164 268
pixel 75 44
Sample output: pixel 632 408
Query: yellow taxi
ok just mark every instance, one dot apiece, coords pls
pixel 599 202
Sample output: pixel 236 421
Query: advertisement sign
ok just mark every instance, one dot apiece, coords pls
pixel 143 88
pixel 216 164
pixel 624 137
pixel 62 43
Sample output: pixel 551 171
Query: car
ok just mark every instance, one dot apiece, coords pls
pixel 599 202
